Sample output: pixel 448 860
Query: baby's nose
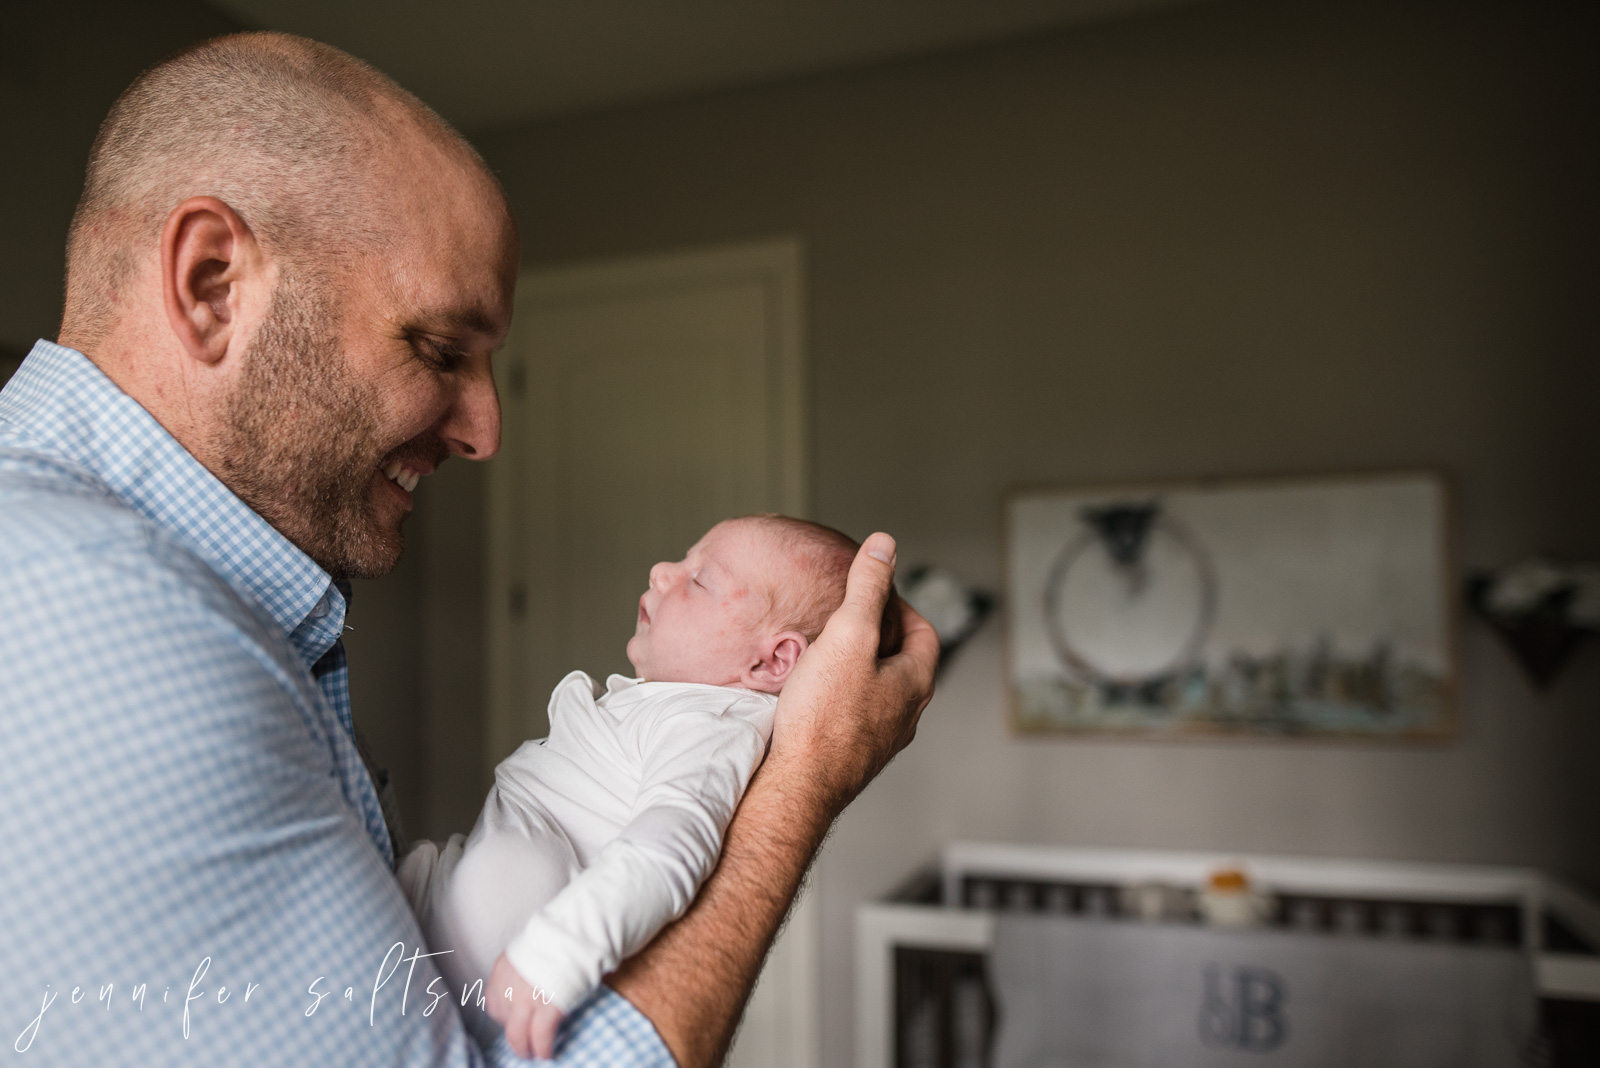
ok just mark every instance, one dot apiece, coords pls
pixel 660 575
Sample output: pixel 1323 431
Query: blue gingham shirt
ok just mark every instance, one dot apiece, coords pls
pixel 195 865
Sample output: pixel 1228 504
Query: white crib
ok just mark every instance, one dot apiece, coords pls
pixel 921 988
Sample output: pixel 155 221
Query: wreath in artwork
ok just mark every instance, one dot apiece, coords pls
pixel 1129 600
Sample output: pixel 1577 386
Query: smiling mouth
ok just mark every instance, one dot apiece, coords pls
pixel 401 475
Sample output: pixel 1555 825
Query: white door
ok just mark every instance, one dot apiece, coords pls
pixel 644 400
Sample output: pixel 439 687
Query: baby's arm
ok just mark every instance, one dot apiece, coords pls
pixel 696 767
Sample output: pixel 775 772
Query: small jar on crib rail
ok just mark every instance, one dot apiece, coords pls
pixel 1228 900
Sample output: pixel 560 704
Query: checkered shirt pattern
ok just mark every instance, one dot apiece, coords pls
pixel 197 867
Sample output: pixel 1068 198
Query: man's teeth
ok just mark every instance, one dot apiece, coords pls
pixel 402 476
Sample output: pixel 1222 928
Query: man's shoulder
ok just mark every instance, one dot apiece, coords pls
pixel 50 504
pixel 98 600
pixel 60 522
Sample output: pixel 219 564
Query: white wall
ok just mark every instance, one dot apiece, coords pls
pixel 1236 239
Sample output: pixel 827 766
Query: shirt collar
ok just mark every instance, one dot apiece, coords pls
pixel 621 689
pixel 60 401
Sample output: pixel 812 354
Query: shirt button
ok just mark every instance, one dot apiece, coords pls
pixel 320 609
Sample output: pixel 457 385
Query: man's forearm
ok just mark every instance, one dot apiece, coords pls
pixel 693 979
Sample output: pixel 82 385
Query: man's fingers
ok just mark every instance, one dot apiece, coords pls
pixel 919 644
pixel 892 627
pixel 917 659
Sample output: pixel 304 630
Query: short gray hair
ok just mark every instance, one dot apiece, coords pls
pixel 280 128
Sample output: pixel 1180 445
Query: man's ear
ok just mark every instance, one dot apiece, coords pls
pixel 211 265
pixel 779 654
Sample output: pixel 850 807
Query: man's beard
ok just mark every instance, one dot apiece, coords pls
pixel 300 439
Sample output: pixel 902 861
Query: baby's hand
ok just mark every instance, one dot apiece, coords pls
pixel 530 1021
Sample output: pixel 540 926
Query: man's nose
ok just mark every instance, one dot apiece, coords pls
pixel 471 426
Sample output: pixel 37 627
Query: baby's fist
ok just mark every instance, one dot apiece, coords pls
pixel 524 1011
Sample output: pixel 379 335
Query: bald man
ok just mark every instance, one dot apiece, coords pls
pixel 285 280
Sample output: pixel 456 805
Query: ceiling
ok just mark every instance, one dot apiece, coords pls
pixel 485 63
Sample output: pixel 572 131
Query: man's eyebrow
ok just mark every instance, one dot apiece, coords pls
pixel 458 321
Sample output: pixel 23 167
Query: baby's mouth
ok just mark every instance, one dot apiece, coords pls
pixel 644 616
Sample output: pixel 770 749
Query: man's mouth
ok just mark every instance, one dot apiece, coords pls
pixel 404 476
pixel 407 464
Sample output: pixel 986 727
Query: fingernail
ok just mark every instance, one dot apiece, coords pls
pixel 876 550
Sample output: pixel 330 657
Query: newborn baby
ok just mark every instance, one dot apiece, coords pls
pixel 596 837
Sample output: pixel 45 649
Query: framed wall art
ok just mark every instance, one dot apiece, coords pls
pixel 1306 608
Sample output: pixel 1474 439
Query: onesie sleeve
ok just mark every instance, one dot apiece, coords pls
pixel 696 764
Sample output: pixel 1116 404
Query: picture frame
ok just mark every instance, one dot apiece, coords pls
pixel 1317 607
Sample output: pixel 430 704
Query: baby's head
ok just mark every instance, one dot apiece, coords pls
pixel 743 604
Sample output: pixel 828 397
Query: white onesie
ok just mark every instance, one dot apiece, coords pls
pixel 594 838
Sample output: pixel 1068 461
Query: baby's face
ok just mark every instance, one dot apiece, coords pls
pixel 702 618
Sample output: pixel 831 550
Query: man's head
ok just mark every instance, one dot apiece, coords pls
pixel 742 604
pixel 301 271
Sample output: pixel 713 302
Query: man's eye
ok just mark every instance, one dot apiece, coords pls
pixel 439 357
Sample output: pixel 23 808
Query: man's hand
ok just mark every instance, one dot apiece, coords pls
pixel 844 713
pixel 529 1019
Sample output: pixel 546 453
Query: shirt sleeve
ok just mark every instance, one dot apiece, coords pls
pixel 697 764
pixel 184 882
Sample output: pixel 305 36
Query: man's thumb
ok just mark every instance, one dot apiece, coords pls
pixel 871 579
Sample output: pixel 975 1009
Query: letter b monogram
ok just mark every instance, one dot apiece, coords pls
pixel 1246 1013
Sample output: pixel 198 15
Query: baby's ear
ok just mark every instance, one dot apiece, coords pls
pixel 779 654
